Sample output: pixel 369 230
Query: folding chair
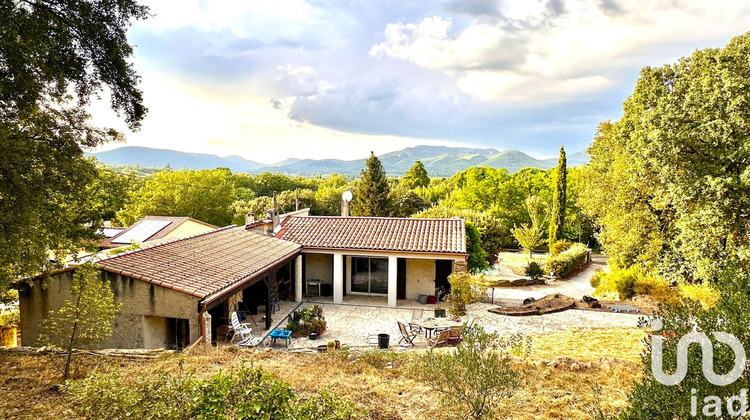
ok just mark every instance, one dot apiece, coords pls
pixel 405 334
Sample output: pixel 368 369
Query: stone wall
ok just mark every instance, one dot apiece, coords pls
pixel 141 323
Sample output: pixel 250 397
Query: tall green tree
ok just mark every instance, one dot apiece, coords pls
pixel 55 56
pixel 416 176
pixel 669 183
pixel 371 193
pixel 206 195
pixel 87 317
pixel 559 190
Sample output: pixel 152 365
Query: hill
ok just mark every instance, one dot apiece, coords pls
pixel 439 161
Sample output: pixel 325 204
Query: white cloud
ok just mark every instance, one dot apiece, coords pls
pixel 534 55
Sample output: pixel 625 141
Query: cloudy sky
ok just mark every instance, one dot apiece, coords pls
pixel 269 80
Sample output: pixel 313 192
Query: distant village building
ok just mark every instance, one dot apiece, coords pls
pixel 177 291
pixel 152 228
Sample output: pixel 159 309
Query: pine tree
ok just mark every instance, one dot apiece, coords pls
pixel 558 199
pixel 416 176
pixel 371 193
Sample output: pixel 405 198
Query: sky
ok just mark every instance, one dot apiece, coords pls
pixel 271 80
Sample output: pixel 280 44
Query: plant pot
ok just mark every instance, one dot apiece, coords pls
pixel 338 344
pixel 383 340
pixel 313 336
pixel 439 313
pixel 322 348
pixel 423 299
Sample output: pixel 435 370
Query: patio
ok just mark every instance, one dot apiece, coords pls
pixel 352 322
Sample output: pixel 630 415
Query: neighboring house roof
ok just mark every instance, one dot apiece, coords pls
pixel 149 228
pixel 205 265
pixel 376 233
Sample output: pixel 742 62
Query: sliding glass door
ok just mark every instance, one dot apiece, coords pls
pixel 370 275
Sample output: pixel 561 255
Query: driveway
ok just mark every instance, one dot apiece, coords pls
pixel 576 286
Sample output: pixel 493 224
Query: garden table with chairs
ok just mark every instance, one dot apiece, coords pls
pixel 429 325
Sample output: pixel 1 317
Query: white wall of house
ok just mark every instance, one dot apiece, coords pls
pixel 420 278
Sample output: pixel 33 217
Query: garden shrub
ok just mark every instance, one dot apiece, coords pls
pixel 465 290
pixel 245 393
pixel 596 279
pixel 307 320
pixel 560 246
pixel 626 283
pixel 476 376
pixel 567 261
pixel 534 270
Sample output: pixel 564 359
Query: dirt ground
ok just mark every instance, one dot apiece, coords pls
pixel 565 375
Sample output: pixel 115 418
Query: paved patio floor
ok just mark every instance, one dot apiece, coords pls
pixel 360 317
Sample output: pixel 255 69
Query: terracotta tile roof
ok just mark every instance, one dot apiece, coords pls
pixel 204 265
pixel 376 233
pixel 174 222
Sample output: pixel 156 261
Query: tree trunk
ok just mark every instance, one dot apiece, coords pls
pixel 70 353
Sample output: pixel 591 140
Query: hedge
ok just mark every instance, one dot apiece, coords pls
pixel 564 263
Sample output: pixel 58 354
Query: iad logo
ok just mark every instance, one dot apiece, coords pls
pixel 736 405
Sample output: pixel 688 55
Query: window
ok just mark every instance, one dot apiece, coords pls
pixel 370 275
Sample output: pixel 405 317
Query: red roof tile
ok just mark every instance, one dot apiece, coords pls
pixel 376 233
pixel 204 265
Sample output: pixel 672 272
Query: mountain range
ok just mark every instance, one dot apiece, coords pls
pixel 438 160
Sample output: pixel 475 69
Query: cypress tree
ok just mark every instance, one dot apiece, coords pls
pixel 558 199
pixel 371 194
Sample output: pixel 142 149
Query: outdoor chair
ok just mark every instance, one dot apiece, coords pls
pixel 416 319
pixel 470 321
pixel 406 335
pixel 440 340
pixel 243 332
pixel 454 335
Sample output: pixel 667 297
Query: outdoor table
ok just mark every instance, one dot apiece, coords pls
pixel 315 282
pixel 285 335
pixel 431 324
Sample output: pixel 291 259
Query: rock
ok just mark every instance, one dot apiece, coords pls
pixel 575 367
pixel 589 299
pixel 528 300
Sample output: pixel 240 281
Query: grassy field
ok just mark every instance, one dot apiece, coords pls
pixel 565 376
pixel 517 261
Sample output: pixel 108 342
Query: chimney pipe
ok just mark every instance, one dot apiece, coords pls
pixel 344 208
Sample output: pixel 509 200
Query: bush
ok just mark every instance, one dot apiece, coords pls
pixel 245 393
pixel 567 261
pixel 627 283
pixel 465 290
pixel 596 279
pixel 477 375
pixel 306 321
pixel 534 270
pixel 10 316
pixel 560 246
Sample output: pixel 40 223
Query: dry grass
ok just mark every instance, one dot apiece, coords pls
pixel 560 377
pixel 517 261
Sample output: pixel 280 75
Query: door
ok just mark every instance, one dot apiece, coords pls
pixel 401 279
pixel 443 269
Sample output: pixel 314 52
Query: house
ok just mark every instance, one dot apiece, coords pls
pixel 396 258
pixel 177 291
pixel 152 228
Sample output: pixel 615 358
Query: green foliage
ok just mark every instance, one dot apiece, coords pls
pixel 416 176
pixel 465 290
pixel 404 201
pixel 242 393
pixel 476 376
pixel 531 236
pixel 650 399
pixel 204 195
pixel 557 247
pixel 477 255
pixel 625 283
pixel 371 192
pixel 564 263
pixel 87 318
pixel 534 270
pixel 328 196
pixel 493 234
pixel 10 316
pixel 669 182
pixel 557 219
pixel 307 320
